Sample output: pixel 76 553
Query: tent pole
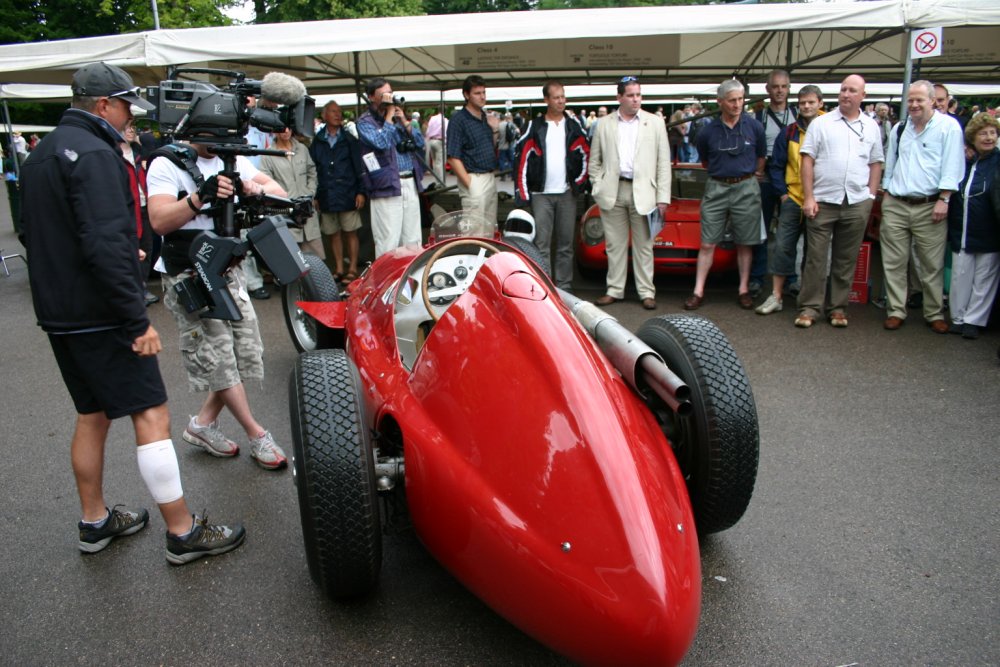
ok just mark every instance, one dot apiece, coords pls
pixel 444 136
pixel 357 85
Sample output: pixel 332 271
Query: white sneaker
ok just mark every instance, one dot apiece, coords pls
pixel 772 305
pixel 266 453
pixel 210 438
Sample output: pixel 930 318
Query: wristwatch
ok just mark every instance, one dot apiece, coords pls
pixel 945 199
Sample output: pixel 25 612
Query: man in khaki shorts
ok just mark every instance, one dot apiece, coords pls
pixel 733 149
pixel 339 191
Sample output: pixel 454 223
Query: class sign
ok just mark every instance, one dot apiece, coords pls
pixel 925 42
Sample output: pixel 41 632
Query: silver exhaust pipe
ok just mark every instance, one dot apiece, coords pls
pixel 640 365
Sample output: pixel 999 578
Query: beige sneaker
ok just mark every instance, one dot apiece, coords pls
pixel 772 305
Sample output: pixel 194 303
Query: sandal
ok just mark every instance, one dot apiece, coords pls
pixel 838 319
pixel 349 277
pixel 804 321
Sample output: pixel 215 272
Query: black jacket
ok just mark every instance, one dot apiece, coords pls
pixel 973 224
pixel 529 158
pixel 338 171
pixel 80 231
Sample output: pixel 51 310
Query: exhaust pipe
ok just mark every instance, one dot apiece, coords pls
pixel 640 365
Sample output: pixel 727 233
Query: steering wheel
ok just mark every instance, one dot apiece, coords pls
pixel 438 254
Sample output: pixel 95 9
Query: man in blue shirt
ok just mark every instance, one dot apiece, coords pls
pixel 733 149
pixel 392 174
pixel 473 134
pixel 924 165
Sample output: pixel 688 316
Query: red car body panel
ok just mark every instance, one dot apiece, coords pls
pixel 675 248
pixel 533 472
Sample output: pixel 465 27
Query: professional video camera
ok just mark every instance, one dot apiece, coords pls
pixel 202 113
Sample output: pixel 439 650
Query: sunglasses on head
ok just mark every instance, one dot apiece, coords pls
pixel 629 79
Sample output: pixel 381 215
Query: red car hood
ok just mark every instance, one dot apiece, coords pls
pixel 537 477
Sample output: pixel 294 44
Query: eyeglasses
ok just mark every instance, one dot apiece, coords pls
pixel 629 79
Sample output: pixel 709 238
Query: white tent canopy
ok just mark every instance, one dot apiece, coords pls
pixel 818 42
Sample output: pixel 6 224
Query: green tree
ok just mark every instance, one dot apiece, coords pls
pixel 593 4
pixel 475 6
pixel 40 20
pixel 274 11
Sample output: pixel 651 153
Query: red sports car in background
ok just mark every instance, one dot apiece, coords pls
pixel 675 248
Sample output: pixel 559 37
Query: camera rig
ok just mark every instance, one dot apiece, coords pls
pixel 202 113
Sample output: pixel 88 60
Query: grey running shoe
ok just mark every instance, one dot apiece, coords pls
pixel 211 439
pixel 118 524
pixel 203 540
pixel 266 453
pixel 772 305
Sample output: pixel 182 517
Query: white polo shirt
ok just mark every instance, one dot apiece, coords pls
pixel 844 152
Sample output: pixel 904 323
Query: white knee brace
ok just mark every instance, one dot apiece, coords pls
pixel 158 467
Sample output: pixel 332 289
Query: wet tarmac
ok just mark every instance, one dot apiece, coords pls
pixel 871 539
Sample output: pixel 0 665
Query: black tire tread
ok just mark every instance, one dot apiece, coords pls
pixel 699 352
pixel 335 475
pixel 529 250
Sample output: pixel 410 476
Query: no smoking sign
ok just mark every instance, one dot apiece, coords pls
pixel 925 43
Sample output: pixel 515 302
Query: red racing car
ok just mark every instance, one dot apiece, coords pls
pixel 561 467
pixel 675 248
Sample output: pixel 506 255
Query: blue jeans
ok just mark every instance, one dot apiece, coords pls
pixel 768 201
pixel 506 158
pixel 781 260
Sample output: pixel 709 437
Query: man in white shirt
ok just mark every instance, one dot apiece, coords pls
pixel 219 355
pixel 550 166
pixel 630 173
pixel 841 168
pixel 925 163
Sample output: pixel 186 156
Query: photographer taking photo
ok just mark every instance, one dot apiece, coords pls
pixel 219 355
pixel 392 174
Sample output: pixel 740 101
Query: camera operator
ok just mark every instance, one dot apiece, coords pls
pixel 392 173
pixel 219 355
pixel 79 220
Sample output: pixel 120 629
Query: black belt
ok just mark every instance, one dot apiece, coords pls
pixel 406 174
pixel 622 178
pixel 915 201
pixel 732 179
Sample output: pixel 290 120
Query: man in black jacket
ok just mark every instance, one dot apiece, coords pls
pixel 79 226
pixel 550 167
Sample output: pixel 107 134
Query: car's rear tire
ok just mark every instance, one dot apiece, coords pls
pixel 529 250
pixel 316 285
pixel 718 445
pixel 334 472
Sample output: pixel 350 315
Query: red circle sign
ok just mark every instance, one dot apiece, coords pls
pixel 925 42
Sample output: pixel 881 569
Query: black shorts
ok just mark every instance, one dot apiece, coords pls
pixel 102 373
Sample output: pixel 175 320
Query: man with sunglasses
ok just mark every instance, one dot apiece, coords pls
pixel 630 172
pixel 79 222
pixel 733 149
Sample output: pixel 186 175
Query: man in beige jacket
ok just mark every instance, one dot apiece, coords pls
pixel 630 173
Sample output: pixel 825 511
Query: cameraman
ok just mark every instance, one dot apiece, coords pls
pixel 79 226
pixel 219 355
pixel 393 175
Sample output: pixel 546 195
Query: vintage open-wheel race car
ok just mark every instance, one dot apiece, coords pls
pixel 558 465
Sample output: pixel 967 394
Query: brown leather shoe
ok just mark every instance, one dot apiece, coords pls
pixel 893 323
pixel 606 300
pixel 694 302
pixel 649 304
pixel 938 326
pixel 745 300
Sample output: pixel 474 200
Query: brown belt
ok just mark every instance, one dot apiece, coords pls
pixel 915 201
pixel 622 178
pixel 733 179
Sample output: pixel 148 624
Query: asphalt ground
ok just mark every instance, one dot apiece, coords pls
pixel 871 539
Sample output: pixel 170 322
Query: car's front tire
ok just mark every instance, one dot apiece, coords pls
pixel 333 468
pixel 316 285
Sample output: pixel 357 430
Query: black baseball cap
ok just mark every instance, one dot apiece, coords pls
pixel 103 80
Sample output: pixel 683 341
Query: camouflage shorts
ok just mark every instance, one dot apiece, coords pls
pixel 218 354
